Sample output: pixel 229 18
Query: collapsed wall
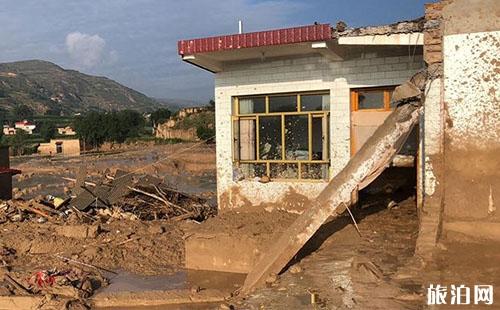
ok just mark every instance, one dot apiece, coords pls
pixel 459 167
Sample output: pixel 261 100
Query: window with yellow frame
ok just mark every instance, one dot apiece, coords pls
pixel 283 136
pixel 372 98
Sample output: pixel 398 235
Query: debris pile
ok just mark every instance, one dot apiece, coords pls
pixel 122 196
pixel 72 285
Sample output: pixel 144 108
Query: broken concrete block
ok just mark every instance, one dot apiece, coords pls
pixel 78 231
pixel 407 90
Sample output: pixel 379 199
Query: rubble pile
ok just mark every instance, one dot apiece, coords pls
pixel 124 196
pixel 64 248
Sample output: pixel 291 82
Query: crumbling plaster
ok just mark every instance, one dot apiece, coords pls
pixel 471 72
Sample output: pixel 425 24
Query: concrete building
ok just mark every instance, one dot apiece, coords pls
pixel 6 174
pixel 67 147
pixel 293 105
pixel 9 131
pixel 26 126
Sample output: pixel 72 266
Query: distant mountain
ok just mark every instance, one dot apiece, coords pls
pixel 50 89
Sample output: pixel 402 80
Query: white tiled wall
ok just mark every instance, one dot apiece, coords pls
pixel 294 75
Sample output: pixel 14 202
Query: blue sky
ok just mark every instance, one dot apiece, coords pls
pixel 135 41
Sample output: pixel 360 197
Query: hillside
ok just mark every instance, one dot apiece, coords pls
pixel 50 89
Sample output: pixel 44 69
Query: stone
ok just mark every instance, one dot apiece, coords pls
pixel 272 278
pixel 156 230
pixel 78 231
pixel 264 179
pixel 295 269
pixel 195 289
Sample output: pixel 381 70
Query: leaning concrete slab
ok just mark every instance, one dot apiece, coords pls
pixel 363 168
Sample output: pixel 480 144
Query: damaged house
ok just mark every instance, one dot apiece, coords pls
pixel 293 105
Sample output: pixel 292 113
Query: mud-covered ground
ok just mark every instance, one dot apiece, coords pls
pixel 340 268
pixel 187 166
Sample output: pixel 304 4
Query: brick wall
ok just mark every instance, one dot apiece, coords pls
pixel 294 75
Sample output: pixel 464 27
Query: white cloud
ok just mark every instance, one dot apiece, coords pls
pixel 86 50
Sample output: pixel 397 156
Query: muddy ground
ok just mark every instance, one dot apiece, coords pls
pixel 340 268
pixel 188 167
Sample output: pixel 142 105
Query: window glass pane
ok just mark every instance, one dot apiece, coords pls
pixel 284 171
pixel 296 137
pixel 319 145
pixel 270 137
pixel 283 103
pixel 314 171
pixel 315 102
pixel 247 135
pixel 371 99
pixel 252 105
pixel 253 170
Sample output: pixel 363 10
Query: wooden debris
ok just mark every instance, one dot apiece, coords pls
pixel 18 286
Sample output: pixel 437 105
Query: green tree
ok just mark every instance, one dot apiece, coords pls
pixel 205 132
pixel 22 112
pixel 159 116
pixel 18 142
pixel 95 128
pixel 211 105
pixel 47 131
pixel 90 128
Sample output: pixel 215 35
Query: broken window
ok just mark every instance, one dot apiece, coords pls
pixel 282 136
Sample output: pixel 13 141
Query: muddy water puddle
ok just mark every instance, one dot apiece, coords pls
pixel 125 283
pixel 184 279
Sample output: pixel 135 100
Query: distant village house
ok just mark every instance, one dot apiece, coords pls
pixel 66 131
pixel 9 131
pixel 67 147
pixel 26 126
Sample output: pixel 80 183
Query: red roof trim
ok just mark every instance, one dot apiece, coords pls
pixel 310 33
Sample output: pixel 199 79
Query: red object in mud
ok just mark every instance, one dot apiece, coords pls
pixel 43 278
pixel 311 33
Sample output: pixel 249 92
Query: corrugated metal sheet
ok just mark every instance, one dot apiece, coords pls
pixel 310 33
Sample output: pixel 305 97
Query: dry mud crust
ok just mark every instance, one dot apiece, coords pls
pixel 140 247
pixel 234 240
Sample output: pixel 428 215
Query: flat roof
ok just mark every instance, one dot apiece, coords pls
pixel 311 33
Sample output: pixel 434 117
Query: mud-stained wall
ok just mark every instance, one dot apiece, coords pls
pixel 471 45
pixel 386 66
